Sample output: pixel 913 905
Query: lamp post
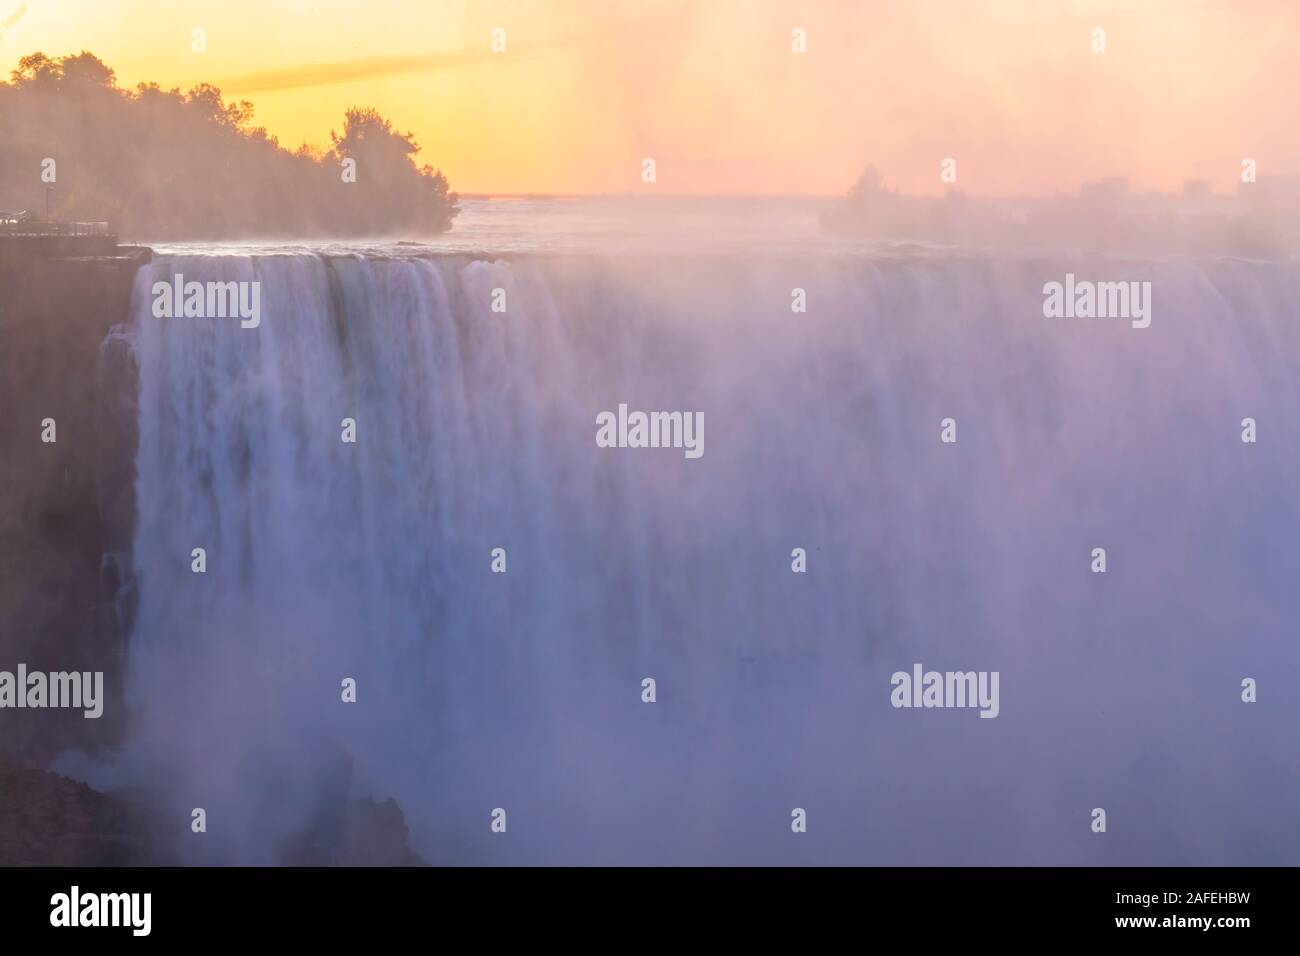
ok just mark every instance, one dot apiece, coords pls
pixel 48 190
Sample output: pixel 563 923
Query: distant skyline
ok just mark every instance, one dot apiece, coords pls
pixel 586 89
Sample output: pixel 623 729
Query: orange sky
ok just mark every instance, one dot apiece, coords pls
pixel 712 91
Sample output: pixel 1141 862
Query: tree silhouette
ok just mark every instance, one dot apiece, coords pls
pixel 165 164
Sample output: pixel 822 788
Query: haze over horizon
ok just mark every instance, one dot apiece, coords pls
pixel 584 91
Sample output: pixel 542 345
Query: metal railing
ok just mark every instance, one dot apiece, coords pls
pixel 33 227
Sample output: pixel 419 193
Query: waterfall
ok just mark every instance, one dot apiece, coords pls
pixel 475 430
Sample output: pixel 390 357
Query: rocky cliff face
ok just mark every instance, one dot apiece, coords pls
pixel 48 820
pixel 68 503
pixel 67 515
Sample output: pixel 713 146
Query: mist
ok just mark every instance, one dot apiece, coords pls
pixel 523 690
pixel 983 324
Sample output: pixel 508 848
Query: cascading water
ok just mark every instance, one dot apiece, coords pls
pixel 475 430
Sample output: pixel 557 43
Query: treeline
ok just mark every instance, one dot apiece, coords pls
pixel 162 164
